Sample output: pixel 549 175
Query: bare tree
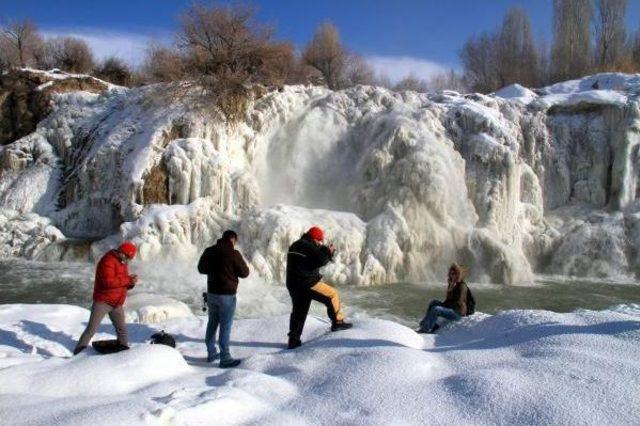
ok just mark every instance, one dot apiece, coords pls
pixel 480 60
pixel 544 62
pixel 5 48
pixel 114 70
pixel 67 53
pixel 227 51
pixel 226 41
pixel 572 51
pixel 411 83
pixel 19 42
pixel 448 80
pixel 358 71
pixel 383 80
pixel 301 73
pixel 326 53
pixel 611 32
pixel 162 64
pixel 517 60
pixel 634 50
pixel 278 61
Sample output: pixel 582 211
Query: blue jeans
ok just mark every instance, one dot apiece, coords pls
pixel 221 310
pixel 437 310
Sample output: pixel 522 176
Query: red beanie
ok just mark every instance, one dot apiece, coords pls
pixel 316 233
pixel 128 249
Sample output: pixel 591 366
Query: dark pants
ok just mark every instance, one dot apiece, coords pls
pixel 301 301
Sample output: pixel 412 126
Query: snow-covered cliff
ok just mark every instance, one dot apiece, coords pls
pixel 512 184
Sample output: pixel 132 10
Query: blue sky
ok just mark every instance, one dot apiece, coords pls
pixel 399 36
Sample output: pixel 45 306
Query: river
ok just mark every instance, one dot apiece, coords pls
pixel 24 281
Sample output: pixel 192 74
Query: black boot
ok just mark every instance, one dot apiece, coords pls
pixel 434 329
pixel 294 343
pixel 79 349
pixel 230 363
pixel 341 325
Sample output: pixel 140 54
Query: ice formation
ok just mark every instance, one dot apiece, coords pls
pixel 512 184
pixel 152 308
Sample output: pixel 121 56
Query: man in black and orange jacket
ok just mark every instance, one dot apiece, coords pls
pixel 305 258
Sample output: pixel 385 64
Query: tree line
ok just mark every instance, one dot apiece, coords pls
pixel 223 46
pixel 588 37
pixel 225 49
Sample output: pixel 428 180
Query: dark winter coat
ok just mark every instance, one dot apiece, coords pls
pixel 457 298
pixel 304 260
pixel 112 280
pixel 223 266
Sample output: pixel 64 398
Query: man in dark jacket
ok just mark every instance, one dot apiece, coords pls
pixel 223 265
pixel 304 259
pixel 454 306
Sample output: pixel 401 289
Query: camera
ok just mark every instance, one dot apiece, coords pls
pixel 328 247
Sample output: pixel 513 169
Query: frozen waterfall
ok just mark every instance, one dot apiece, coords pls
pixel 511 184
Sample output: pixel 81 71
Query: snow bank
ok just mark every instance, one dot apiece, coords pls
pixel 515 367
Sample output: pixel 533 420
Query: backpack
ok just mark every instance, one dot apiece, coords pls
pixel 163 338
pixel 471 302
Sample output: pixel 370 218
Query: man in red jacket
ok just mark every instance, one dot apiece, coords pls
pixel 109 293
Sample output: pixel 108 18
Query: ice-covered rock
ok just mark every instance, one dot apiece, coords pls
pixel 149 308
pixel 26 234
pixel 405 183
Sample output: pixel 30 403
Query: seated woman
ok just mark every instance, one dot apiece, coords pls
pixel 455 305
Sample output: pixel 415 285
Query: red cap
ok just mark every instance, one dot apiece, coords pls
pixel 316 233
pixel 128 249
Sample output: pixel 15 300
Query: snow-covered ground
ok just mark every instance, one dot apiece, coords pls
pixel 514 367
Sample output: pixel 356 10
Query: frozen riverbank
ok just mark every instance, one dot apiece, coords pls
pixel 515 367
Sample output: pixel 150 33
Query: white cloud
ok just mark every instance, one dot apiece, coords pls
pixel 129 46
pixel 398 67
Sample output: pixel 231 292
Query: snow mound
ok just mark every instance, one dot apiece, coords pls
pixel 151 308
pixel 516 93
pixel 89 376
pixel 515 367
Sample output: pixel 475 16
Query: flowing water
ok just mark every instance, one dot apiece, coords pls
pixel 65 282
